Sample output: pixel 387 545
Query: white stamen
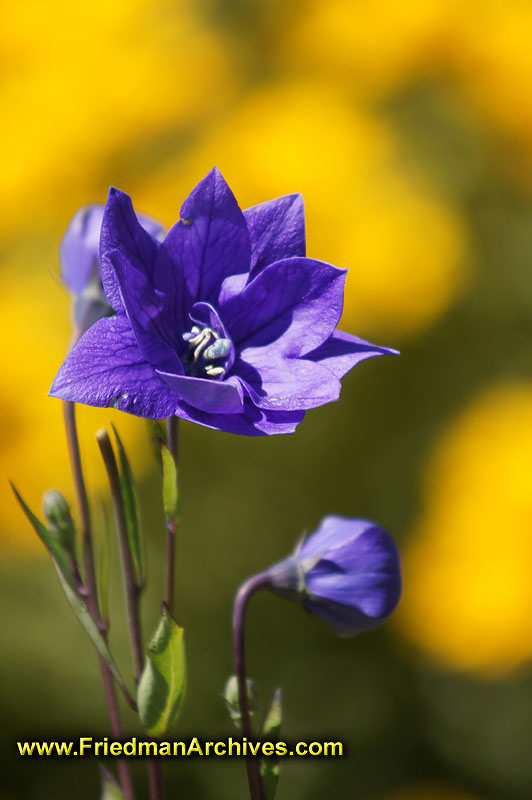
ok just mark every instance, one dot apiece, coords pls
pixel 214 372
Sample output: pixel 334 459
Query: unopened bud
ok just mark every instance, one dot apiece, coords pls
pixel 57 513
pixel 230 695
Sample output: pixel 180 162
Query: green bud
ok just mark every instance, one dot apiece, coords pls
pixel 230 695
pixel 57 513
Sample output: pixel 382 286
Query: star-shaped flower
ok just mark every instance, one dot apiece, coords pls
pixel 225 322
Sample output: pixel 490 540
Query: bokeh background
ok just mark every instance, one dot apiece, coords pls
pixel 408 129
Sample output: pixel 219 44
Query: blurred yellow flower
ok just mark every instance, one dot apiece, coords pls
pixel 404 247
pixel 468 593
pixel 492 53
pixel 35 329
pixel 82 89
pixel 372 48
pixel 481 49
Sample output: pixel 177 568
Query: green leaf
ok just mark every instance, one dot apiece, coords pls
pixel 269 767
pixel 69 587
pixel 49 540
pixel 170 487
pixel 110 788
pixel 162 685
pixel 91 629
pixel 157 437
pixel 129 500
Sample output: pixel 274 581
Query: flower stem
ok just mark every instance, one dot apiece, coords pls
pixel 172 427
pixel 132 590
pixel 69 413
pixel 243 596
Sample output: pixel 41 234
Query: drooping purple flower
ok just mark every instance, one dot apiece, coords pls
pixel 225 322
pixel 347 573
pixel 79 257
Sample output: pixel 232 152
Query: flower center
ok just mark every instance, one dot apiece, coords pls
pixel 208 352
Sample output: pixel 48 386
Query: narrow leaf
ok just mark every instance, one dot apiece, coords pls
pixel 129 500
pixel 269 767
pixel 157 437
pixel 110 788
pixel 67 582
pixel 170 488
pixel 162 684
pixel 50 542
pixel 91 629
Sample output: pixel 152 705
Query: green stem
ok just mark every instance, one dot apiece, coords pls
pixel 172 427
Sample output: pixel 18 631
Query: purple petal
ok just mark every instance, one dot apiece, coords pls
pixel 232 285
pixel 149 315
pixel 364 574
pixel 342 351
pixel 293 305
pixel 333 532
pixel 286 383
pixel 345 620
pixel 122 231
pixel 277 231
pixel 78 251
pixel 211 396
pixel 106 368
pixel 209 243
pixel 252 422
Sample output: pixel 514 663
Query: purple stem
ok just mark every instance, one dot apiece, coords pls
pixel 69 412
pixel 132 591
pixel 260 581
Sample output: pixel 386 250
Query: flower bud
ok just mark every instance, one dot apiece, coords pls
pixel 57 513
pixel 79 256
pixel 230 695
pixel 347 573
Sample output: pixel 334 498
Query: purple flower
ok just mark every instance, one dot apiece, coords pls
pixel 347 573
pixel 79 256
pixel 225 322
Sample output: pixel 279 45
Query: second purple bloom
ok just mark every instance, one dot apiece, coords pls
pixel 225 323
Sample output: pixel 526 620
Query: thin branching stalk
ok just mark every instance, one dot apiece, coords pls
pixel 90 593
pixel 132 590
pixel 243 596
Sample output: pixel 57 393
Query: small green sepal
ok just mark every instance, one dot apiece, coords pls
pixel 272 722
pixel 110 788
pixel 269 767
